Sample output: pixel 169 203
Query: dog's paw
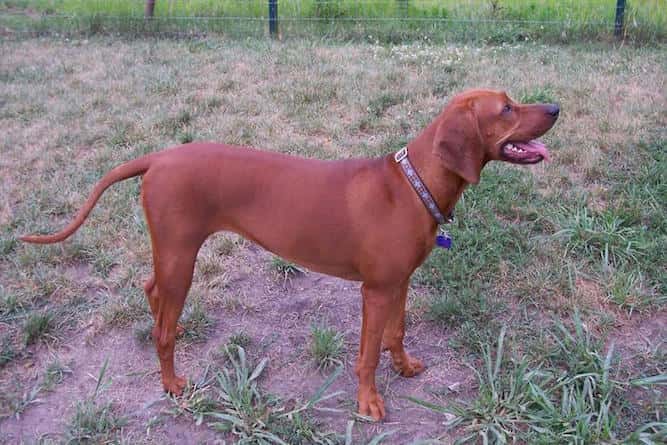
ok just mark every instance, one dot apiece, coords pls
pixel 409 366
pixel 174 386
pixel 371 404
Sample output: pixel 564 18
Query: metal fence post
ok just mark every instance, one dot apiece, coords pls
pixel 149 8
pixel 273 18
pixel 620 18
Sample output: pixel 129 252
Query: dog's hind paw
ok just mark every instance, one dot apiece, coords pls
pixel 174 385
pixel 409 366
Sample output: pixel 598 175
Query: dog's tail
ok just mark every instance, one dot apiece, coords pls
pixel 124 171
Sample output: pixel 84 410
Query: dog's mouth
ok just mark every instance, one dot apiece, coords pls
pixel 530 152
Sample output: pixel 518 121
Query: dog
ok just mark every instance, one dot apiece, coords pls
pixel 367 220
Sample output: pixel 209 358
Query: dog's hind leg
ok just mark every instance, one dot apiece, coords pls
pixel 153 295
pixel 174 260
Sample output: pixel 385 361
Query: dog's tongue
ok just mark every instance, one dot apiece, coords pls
pixel 534 146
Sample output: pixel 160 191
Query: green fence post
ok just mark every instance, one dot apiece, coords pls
pixel 620 18
pixel 273 18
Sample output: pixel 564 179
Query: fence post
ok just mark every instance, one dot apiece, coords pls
pixel 149 8
pixel 620 18
pixel 273 18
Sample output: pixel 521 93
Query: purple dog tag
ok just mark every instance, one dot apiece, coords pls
pixel 444 241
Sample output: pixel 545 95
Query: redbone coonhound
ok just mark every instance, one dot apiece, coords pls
pixel 358 219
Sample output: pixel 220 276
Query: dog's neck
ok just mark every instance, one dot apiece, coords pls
pixel 444 185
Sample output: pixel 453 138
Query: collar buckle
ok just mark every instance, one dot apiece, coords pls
pixel 401 154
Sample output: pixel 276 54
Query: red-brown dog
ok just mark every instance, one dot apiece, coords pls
pixel 378 230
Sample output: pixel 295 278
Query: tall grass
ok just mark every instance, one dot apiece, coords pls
pixel 493 20
pixel 574 400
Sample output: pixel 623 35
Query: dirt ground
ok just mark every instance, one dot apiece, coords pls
pixel 277 315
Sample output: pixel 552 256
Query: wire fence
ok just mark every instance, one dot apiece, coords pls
pixel 377 20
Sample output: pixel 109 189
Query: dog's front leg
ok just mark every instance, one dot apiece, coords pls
pixel 376 307
pixel 394 332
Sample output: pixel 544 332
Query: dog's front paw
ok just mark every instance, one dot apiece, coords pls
pixel 371 403
pixel 409 366
pixel 174 385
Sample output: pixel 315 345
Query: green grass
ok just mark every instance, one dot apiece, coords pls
pixel 54 374
pixel 389 20
pixel 327 346
pixel 37 326
pixel 578 400
pixel 240 339
pixel 232 401
pixel 285 269
pixel 94 421
pixel 124 309
pixel 196 322
pixel 7 351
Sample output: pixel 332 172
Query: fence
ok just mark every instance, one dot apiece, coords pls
pixel 384 20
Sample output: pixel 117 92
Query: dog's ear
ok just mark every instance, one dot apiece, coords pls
pixel 458 143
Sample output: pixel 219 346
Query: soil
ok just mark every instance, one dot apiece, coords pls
pixel 277 314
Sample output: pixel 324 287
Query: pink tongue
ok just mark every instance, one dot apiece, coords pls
pixel 534 146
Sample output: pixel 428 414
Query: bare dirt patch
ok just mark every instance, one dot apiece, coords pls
pixel 277 315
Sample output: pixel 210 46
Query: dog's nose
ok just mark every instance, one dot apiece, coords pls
pixel 553 110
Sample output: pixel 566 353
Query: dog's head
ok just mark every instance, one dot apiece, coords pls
pixel 479 126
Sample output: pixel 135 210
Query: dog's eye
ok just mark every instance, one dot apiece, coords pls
pixel 507 108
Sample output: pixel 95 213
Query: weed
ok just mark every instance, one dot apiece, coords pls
pixel 7 351
pixel 197 400
pixel 327 346
pixel 285 269
pixel 54 374
pixel 377 106
pixel 196 322
pixel 16 404
pixel 94 422
pixel 186 136
pixel 37 326
pixel 577 351
pixel 541 95
pixel 240 339
pixel 237 405
pixel 123 311
pixel 143 330
pixel 629 290
pixel 604 235
pixel 10 304
pixel 535 404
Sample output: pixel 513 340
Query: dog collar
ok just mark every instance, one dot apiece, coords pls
pixel 401 158
pixel 443 239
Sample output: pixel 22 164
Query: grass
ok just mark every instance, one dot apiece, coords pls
pixel 530 244
pixel 240 339
pixel 94 422
pixel 285 269
pixel 54 374
pixel 232 401
pixel 196 322
pixel 388 20
pixel 327 346
pixel 36 327
pixel 577 401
